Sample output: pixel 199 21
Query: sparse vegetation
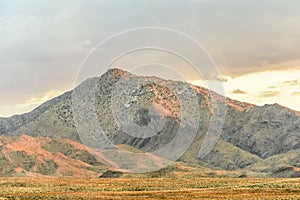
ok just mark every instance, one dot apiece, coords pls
pixel 149 188
pixel 48 167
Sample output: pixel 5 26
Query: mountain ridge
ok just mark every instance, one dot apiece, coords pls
pixel 250 132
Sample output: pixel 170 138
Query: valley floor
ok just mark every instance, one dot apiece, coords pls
pixel 149 188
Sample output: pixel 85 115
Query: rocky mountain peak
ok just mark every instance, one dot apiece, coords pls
pixel 254 138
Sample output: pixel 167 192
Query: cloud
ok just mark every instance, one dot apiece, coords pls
pixel 7 110
pixel 272 86
pixel 296 93
pixel 87 44
pixel 221 78
pixel 295 36
pixel 43 43
pixel 286 84
pixel 267 94
pixel 292 82
pixel 238 91
pixel 261 29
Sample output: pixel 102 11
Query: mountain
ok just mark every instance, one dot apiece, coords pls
pixel 256 140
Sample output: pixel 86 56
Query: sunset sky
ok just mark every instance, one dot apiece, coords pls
pixel 254 43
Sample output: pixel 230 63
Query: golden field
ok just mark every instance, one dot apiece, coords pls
pixel 149 188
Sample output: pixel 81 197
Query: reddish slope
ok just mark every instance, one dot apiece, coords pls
pixel 28 156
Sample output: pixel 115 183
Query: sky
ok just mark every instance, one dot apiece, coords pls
pixel 255 44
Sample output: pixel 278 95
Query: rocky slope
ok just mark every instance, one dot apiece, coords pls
pixel 38 157
pixel 256 139
pixel 26 156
